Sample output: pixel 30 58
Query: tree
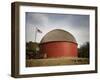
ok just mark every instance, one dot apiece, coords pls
pixel 32 50
pixel 83 51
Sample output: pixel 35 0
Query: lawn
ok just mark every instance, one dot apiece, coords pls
pixel 56 61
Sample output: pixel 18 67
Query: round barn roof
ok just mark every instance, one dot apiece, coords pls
pixel 58 35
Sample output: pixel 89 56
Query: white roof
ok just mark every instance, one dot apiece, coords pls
pixel 58 35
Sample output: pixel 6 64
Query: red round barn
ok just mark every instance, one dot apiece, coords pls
pixel 59 43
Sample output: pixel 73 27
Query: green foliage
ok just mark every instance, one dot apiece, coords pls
pixel 31 46
pixel 83 51
pixel 32 50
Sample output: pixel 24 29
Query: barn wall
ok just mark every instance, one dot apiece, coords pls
pixel 59 49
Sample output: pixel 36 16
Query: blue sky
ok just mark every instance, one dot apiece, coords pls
pixel 77 25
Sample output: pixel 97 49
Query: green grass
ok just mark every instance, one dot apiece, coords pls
pixel 56 61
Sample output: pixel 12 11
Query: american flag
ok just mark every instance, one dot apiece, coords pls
pixel 38 30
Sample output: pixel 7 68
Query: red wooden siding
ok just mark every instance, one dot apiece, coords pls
pixel 59 49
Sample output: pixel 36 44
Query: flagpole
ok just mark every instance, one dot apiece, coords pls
pixel 36 30
pixel 35 33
